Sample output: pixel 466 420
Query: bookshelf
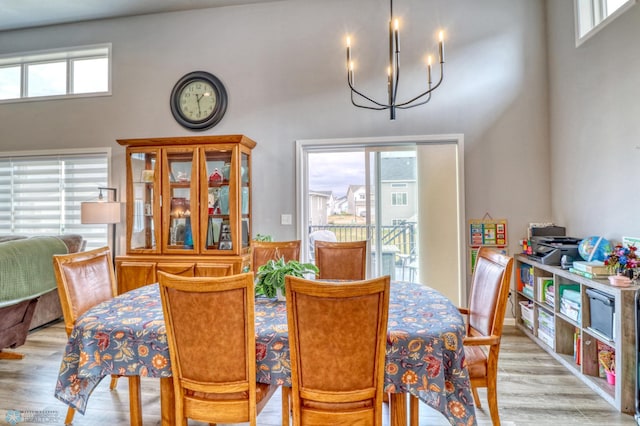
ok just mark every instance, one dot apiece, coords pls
pixel 560 322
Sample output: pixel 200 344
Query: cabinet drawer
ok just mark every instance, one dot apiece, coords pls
pixel 183 269
pixel 214 269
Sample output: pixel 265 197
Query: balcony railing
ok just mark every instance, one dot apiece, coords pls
pixel 398 239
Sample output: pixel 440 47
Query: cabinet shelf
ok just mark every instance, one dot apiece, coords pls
pixel 576 344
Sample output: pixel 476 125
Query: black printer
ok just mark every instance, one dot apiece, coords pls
pixel 549 250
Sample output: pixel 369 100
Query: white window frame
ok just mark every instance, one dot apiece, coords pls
pixel 594 11
pixel 404 195
pixel 68 55
pixel 68 207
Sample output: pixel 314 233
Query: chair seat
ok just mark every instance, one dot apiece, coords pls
pixel 476 360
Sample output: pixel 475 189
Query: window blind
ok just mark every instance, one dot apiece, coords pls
pixel 41 194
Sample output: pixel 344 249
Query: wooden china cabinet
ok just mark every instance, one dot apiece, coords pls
pixel 188 208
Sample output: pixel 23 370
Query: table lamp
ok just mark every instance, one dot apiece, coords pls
pixel 102 212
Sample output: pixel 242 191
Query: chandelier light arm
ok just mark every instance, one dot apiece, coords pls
pixel 405 106
pixel 354 90
pixel 421 95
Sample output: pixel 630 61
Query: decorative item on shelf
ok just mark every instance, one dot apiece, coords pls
pixel 393 75
pixel 223 199
pixel 244 172
pixel 225 242
pixel 245 200
pixel 215 176
pixel 226 170
pixel 270 276
pixel 624 262
pixel 594 248
pixel 607 361
pixel 188 234
pixel 147 176
pixel 179 207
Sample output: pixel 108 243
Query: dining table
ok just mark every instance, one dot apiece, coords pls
pixel 126 336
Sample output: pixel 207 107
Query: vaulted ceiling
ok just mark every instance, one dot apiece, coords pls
pixel 18 14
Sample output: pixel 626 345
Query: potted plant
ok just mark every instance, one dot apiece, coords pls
pixel 270 276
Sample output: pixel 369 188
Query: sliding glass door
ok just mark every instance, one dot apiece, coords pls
pixel 403 195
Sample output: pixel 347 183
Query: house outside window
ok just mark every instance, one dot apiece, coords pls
pixel 399 199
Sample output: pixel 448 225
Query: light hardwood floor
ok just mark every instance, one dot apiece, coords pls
pixel 533 390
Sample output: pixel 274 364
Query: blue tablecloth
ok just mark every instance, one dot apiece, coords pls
pixel 127 336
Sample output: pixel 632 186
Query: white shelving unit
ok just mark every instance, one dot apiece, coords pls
pixel 540 316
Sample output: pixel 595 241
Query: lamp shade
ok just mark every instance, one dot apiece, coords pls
pixel 100 212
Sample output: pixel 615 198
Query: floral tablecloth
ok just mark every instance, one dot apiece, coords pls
pixel 127 336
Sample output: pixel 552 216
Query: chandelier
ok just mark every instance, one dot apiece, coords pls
pixel 361 100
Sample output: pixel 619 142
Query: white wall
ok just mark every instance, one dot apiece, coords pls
pixel 283 66
pixel 595 125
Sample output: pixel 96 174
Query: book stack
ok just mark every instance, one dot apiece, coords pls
pixel 577 347
pixel 591 270
pixel 546 327
pixel 542 290
pixel 526 279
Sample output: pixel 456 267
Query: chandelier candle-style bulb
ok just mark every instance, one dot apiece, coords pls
pixel 361 100
pixel 396 34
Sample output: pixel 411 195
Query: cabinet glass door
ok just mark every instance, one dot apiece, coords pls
pixel 144 209
pixel 218 229
pixel 180 203
pixel 245 200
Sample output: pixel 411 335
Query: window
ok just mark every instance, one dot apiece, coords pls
pixel 399 199
pixel 82 71
pixel 41 194
pixel 592 15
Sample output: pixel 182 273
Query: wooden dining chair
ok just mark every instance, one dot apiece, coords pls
pixel 85 279
pixel 341 260
pixel 264 251
pixel 337 341
pixel 212 345
pixel 485 317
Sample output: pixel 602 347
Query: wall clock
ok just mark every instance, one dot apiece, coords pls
pixel 198 100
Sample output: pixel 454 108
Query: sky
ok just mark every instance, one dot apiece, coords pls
pixel 336 171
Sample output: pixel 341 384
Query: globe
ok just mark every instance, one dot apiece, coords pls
pixel 594 248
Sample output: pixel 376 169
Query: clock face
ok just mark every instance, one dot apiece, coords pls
pixel 198 100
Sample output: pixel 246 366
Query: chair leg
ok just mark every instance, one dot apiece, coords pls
pixel 70 413
pixel 476 398
pixel 492 397
pixel 135 408
pixel 286 395
pixel 414 410
pixel 114 382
